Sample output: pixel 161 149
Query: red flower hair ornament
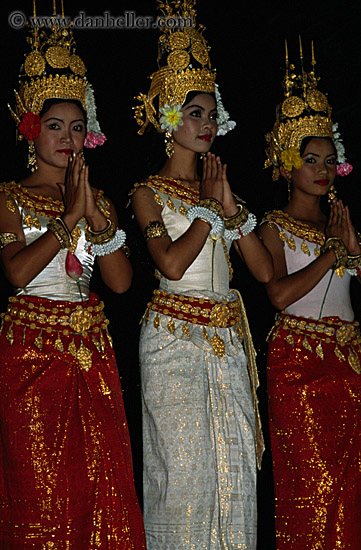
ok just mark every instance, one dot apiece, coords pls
pixel 30 126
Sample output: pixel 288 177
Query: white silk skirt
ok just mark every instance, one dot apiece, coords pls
pixel 199 447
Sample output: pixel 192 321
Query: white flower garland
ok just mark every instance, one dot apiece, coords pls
pixel 211 217
pixel 242 230
pixel 107 248
pixel 223 118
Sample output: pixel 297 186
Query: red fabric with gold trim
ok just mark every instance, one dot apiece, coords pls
pixel 315 427
pixel 65 458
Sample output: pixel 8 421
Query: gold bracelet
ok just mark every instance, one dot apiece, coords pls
pixel 337 246
pixel 212 204
pixel 353 261
pixel 154 230
pixel 65 227
pixel 234 222
pixel 58 227
pixel 100 237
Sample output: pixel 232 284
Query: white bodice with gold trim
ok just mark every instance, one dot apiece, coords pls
pixel 36 211
pixel 198 276
pixel 53 282
pixel 331 296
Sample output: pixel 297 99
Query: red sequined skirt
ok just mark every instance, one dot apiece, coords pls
pixel 314 389
pixel 66 479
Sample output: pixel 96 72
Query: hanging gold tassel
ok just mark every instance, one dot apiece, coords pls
pixel 84 356
pixel 218 345
pixel 158 199
pixel 58 344
pixel 186 331
pixel 171 326
pixel 110 339
pixel 354 362
pixel 304 248
pixel 170 205
pixel 205 335
pixel 156 322
pixel 72 348
pixel 319 350
pixel 39 341
pixel 306 344
pixel 102 342
pixel 339 353
pixel 291 243
pixel 340 271
pixel 10 335
pixel 182 210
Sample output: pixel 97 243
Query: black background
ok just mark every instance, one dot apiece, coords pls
pixel 247 49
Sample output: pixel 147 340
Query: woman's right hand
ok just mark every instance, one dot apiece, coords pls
pixel 337 225
pixel 212 179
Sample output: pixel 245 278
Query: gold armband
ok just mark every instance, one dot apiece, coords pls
pixel 8 238
pixel 155 230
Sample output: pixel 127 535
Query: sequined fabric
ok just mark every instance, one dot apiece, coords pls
pixel 315 426
pixel 66 479
pixel 66 468
pixel 199 414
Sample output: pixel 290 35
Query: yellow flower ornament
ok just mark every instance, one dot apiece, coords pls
pixel 172 117
pixel 291 158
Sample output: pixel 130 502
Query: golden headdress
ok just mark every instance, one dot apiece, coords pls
pixel 51 70
pixel 187 68
pixel 304 112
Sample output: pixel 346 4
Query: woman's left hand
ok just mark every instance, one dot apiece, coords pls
pixel 229 205
pixel 353 246
pixel 94 217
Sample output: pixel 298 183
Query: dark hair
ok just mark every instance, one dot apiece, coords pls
pixel 191 95
pixel 48 103
pixel 306 141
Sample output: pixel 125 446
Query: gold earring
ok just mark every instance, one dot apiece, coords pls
pixel 202 155
pixel 289 189
pixel 332 193
pixel 168 140
pixel 32 157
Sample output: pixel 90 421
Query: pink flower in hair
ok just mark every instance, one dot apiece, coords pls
pixel 344 169
pixel 92 140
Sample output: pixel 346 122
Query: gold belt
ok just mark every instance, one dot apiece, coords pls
pixel 77 320
pixel 329 330
pixel 198 311
pixel 69 327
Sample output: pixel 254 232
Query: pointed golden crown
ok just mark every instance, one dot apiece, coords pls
pixel 304 112
pixel 51 69
pixel 183 48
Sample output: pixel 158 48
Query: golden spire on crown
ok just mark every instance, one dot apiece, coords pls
pixel 52 69
pixel 183 61
pixel 304 112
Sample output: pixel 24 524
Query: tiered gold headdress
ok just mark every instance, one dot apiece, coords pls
pixel 51 70
pixel 304 112
pixel 187 69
